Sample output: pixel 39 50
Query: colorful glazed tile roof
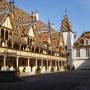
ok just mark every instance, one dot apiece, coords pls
pixel 80 41
pixel 65 25
pixel 20 19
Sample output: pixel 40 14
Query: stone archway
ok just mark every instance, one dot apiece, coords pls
pixel 11 62
pixel 23 62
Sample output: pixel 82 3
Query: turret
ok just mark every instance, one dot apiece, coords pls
pixel 68 36
pixel 35 15
pixel 67 32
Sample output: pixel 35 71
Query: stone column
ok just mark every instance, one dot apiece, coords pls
pixel 28 62
pixel 55 65
pixel 29 67
pixel 42 67
pixel 19 46
pixel 58 63
pixel 47 65
pixel 42 63
pixel 51 63
pixel 17 61
pixel 62 67
pixel 36 62
pixel 12 44
pixel 4 64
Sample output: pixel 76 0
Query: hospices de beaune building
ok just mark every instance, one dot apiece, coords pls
pixel 29 44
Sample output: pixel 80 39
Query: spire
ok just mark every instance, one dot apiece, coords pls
pixel 49 31
pixel 65 11
pixel 49 27
pixel 11 2
pixel 65 25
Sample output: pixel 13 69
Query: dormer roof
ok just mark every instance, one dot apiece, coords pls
pixel 80 41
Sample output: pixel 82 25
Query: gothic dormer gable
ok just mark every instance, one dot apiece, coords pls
pixel 7 23
pixel 31 32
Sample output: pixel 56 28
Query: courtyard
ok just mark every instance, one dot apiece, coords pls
pixel 69 80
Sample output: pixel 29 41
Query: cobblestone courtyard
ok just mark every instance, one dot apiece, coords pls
pixel 70 80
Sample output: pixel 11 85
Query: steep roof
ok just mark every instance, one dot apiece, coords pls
pixel 80 41
pixel 21 17
pixel 65 25
pixel 56 39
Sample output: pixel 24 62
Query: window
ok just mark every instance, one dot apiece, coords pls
pixel 74 36
pixel 78 52
pixel 2 33
pixel 87 52
pixel 6 35
pixel 86 42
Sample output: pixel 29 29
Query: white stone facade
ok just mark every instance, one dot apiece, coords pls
pixel 82 62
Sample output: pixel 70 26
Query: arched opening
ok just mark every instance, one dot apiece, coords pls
pixel 10 35
pixel 16 46
pixel 49 52
pixel 9 44
pixel 32 48
pixel 6 35
pixel 52 53
pixel 2 34
pixel 41 50
pixel 37 50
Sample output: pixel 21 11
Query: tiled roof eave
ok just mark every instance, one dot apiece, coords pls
pixel 82 46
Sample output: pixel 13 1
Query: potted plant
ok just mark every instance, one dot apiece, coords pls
pixel 38 70
pixel 52 69
pixel 17 71
pixel 68 67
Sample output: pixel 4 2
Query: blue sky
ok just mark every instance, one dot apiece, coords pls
pixel 54 10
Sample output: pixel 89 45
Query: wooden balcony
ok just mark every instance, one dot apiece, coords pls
pixel 12 52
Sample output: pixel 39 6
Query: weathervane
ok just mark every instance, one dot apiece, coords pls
pixel 12 3
pixel 65 11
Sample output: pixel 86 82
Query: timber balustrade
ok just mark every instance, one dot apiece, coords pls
pixel 29 54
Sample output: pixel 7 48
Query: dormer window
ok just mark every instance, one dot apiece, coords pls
pixel 86 42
